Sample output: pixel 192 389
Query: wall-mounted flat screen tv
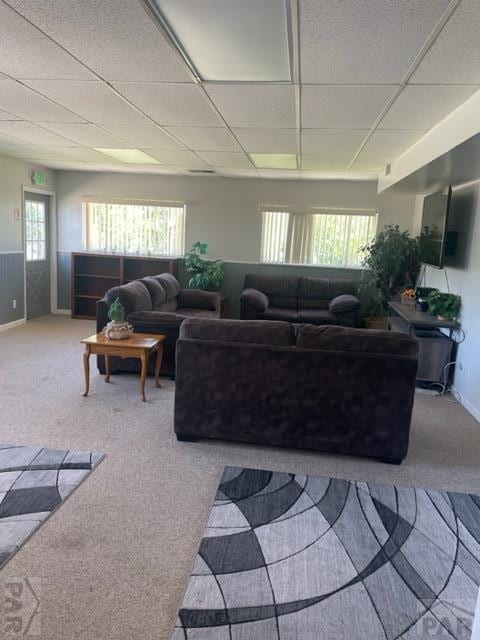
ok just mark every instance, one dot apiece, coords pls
pixel 436 239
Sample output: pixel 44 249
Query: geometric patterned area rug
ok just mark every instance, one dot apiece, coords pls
pixel 288 557
pixel 34 481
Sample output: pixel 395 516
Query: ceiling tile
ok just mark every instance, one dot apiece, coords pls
pixel 267 140
pixel 322 175
pixel 171 104
pixel 27 53
pixel 336 142
pixel 390 143
pixel 7 116
pixel 224 159
pixel 115 38
pixel 150 136
pixel 237 173
pixel 94 101
pixel 366 162
pixel 454 57
pixel 341 42
pixel 255 105
pixel 423 106
pixel 205 138
pixel 24 102
pixel 343 107
pixel 182 158
pixel 317 162
pixel 87 134
pixel 33 134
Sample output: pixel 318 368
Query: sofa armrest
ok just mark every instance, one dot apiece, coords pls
pixel 199 299
pixel 344 304
pixel 255 299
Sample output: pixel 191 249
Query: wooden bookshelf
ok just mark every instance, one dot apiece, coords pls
pixel 94 273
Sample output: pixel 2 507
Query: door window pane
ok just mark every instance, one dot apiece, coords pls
pixel 35 230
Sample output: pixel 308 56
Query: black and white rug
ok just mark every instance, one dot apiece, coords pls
pixel 287 557
pixel 34 481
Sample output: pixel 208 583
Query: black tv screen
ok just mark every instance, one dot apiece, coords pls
pixel 435 242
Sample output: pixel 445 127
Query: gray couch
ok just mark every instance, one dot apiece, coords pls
pixel 328 388
pixel 300 299
pixel 156 304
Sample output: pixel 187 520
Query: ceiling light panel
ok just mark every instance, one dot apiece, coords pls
pixel 227 40
pixel 149 136
pixel 130 156
pixel 255 105
pixel 274 160
pixel 343 107
pixel 115 38
pixel 171 104
pixel 94 101
pixel 267 140
pixel 24 102
pixel 205 138
pixel 373 41
pixel 27 53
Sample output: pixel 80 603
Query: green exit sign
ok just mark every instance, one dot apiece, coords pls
pixel 39 178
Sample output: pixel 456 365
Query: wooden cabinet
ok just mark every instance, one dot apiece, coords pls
pixel 93 274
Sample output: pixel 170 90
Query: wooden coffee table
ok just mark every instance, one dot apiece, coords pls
pixel 138 345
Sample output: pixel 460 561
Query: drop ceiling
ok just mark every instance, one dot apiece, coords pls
pixel 290 89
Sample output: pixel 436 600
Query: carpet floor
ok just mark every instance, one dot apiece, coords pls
pixel 116 564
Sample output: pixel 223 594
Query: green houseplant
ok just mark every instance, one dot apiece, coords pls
pixel 444 305
pixel 117 328
pixel 204 273
pixel 392 264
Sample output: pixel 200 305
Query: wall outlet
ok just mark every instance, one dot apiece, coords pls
pixel 14 304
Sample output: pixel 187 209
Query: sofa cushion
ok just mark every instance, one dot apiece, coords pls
pixel 316 293
pixel 188 312
pixel 170 284
pixel 155 321
pixel 316 316
pixel 255 299
pixel 278 313
pixel 251 331
pixel 156 291
pixel 198 299
pixel 344 303
pixel 282 291
pixel 134 296
pixel 357 340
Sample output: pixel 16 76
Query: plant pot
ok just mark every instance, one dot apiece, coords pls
pixel 375 323
pixel 116 330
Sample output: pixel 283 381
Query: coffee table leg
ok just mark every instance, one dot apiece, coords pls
pixel 144 360
pixel 158 364
pixel 107 369
pixel 86 369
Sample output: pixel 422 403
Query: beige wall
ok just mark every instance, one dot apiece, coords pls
pixel 221 211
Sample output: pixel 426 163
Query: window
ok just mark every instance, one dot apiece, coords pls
pixel 142 229
pixel 35 230
pixel 330 237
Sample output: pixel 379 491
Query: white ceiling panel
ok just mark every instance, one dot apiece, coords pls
pixel 150 136
pixel 320 162
pixel 227 172
pixel 33 134
pixel 115 38
pixel 322 175
pixel 250 105
pixel 171 104
pixel 24 102
pixel 94 101
pixel 181 158
pixel 374 41
pixel 366 162
pixel 8 116
pixel 423 106
pixel 267 140
pixel 27 53
pixel 224 159
pixel 205 138
pixel 88 135
pixel 390 143
pixel 343 107
pixel 336 142
pixel 454 57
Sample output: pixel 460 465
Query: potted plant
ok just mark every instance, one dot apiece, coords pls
pixel 204 273
pixel 444 305
pixel 391 264
pixel 117 328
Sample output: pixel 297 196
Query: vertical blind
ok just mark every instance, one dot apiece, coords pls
pixel 143 229
pixel 329 237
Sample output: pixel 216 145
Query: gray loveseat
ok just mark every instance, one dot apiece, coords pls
pixel 300 299
pixel 156 304
pixel 328 388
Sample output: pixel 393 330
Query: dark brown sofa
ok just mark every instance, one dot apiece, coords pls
pixel 300 299
pixel 156 304
pixel 328 388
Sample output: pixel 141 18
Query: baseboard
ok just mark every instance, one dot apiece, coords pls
pixel 467 404
pixel 62 312
pixel 11 325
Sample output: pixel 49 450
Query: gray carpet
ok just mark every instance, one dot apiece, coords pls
pixel 34 481
pixel 115 563
pixel 288 556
